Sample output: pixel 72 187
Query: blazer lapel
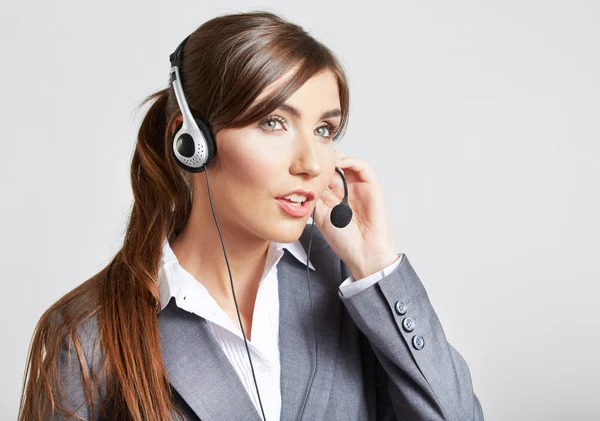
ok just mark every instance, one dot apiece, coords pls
pixel 199 369
pixel 296 331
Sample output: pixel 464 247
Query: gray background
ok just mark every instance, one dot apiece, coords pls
pixel 480 121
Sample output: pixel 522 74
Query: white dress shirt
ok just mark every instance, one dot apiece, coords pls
pixel 190 295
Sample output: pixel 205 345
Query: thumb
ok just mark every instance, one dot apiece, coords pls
pixel 322 212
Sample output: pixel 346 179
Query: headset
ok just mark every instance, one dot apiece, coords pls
pixel 194 149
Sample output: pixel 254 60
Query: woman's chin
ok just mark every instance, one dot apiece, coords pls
pixel 288 231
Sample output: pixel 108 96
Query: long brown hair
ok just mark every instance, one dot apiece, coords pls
pixel 227 62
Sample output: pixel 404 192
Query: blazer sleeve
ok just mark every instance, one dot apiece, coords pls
pixel 427 379
pixel 72 368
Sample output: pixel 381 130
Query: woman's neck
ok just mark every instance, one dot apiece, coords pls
pixel 199 251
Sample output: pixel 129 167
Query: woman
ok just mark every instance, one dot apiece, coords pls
pixel 348 333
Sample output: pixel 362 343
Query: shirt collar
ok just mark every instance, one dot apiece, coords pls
pixel 167 285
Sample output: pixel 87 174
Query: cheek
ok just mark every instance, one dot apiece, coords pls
pixel 255 172
pixel 252 166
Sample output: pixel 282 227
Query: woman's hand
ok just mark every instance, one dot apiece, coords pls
pixel 365 245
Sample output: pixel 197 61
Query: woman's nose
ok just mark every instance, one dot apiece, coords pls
pixel 307 158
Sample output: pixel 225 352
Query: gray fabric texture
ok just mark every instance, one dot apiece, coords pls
pixel 367 366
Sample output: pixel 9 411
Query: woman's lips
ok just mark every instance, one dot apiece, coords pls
pixel 295 210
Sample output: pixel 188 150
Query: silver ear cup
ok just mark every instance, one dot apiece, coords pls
pixel 189 148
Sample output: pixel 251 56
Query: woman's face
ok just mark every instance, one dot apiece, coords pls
pixel 266 160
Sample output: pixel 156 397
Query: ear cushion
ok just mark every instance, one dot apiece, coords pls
pixel 210 141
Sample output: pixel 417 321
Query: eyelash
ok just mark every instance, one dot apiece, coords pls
pixel 333 130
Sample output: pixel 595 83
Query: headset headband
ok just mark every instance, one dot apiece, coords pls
pixel 175 57
pixel 188 118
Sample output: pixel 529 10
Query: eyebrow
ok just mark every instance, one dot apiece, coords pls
pixel 296 113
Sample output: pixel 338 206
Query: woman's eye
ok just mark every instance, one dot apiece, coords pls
pixel 272 123
pixel 331 131
pixel 324 127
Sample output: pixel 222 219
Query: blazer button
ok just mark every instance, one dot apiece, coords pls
pixel 400 308
pixel 418 342
pixel 408 324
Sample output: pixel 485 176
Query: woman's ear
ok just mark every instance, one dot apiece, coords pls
pixel 178 120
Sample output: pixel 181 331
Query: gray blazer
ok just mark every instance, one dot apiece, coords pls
pixel 368 367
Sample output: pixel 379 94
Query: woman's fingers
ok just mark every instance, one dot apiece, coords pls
pixel 356 169
pixel 336 186
pixel 329 198
pixel 321 210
